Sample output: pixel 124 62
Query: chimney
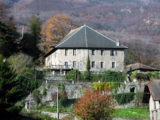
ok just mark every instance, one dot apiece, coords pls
pixel 117 42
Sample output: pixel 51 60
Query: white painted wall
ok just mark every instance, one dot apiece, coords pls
pixel 154 105
pixel 58 58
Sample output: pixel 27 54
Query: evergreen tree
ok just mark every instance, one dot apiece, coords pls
pixel 88 67
pixel 35 27
pixel 8 40
pixel 10 91
pixel 29 43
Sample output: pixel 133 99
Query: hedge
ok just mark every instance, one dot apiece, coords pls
pixel 124 98
pixel 101 86
pixel 108 76
pixel 71 75
pixel 154 75
pixel 112 76
pixel 143 76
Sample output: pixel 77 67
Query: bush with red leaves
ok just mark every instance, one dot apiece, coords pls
pixel 94 105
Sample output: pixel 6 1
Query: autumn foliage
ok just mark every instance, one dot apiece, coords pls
pixel 94 105
pixel 55 30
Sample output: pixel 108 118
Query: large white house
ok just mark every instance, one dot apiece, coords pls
pixel 73 51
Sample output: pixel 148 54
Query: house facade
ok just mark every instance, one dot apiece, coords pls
pixel 154 102
pixel 81 44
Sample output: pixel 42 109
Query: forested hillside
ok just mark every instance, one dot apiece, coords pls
pixel 136 23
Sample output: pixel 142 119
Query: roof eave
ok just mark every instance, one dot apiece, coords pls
pixel 89 48
pixel 50 52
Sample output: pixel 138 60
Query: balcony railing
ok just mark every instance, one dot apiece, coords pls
pixel 59 67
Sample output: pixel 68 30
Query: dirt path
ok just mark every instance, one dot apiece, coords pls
pixel 54 115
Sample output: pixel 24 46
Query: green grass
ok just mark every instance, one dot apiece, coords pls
pixel 131 113
pixel 54 109
pixel 47 117
pixel 36 115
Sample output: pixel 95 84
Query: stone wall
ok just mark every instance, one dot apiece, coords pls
pixel 74 91
pixel 59 58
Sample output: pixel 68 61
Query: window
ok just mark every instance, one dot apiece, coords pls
pixel 132 89
pixel 66 63
pixel 101 64
pixel 113 64
pixel 112 52
pixel 66 52
pixel 102 52
pixel 74 64
pixel 74 52
pixel 93 64
pixel 93 52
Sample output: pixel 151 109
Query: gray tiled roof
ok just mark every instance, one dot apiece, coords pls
pixel 154 88
pixel 140 66
pixel 86 37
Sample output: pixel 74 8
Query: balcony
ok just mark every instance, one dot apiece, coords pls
pixel 59 67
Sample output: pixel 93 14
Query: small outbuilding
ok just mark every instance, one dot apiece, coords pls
pixel 141 67
pixel 154 102
pixel 29 102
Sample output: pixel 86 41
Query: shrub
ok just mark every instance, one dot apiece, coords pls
pixel 124 98
pixel 108 76
pixel 99 86
pixel 36 96
pixel 46 117
pixel 62 97
pixel 112 76
pixel 103 85
pixel 142 76
pixel 96 77
pixel 138 99
pixel 71 75
pixel 28 83
pixel 44 91
pixel 94 106
pixel 54 96
pixel 154 75
pixel 85 76
pixel 134 74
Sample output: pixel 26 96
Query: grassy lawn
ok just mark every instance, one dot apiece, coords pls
pixel 131 113
pixel 35 116
pixel 54 109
